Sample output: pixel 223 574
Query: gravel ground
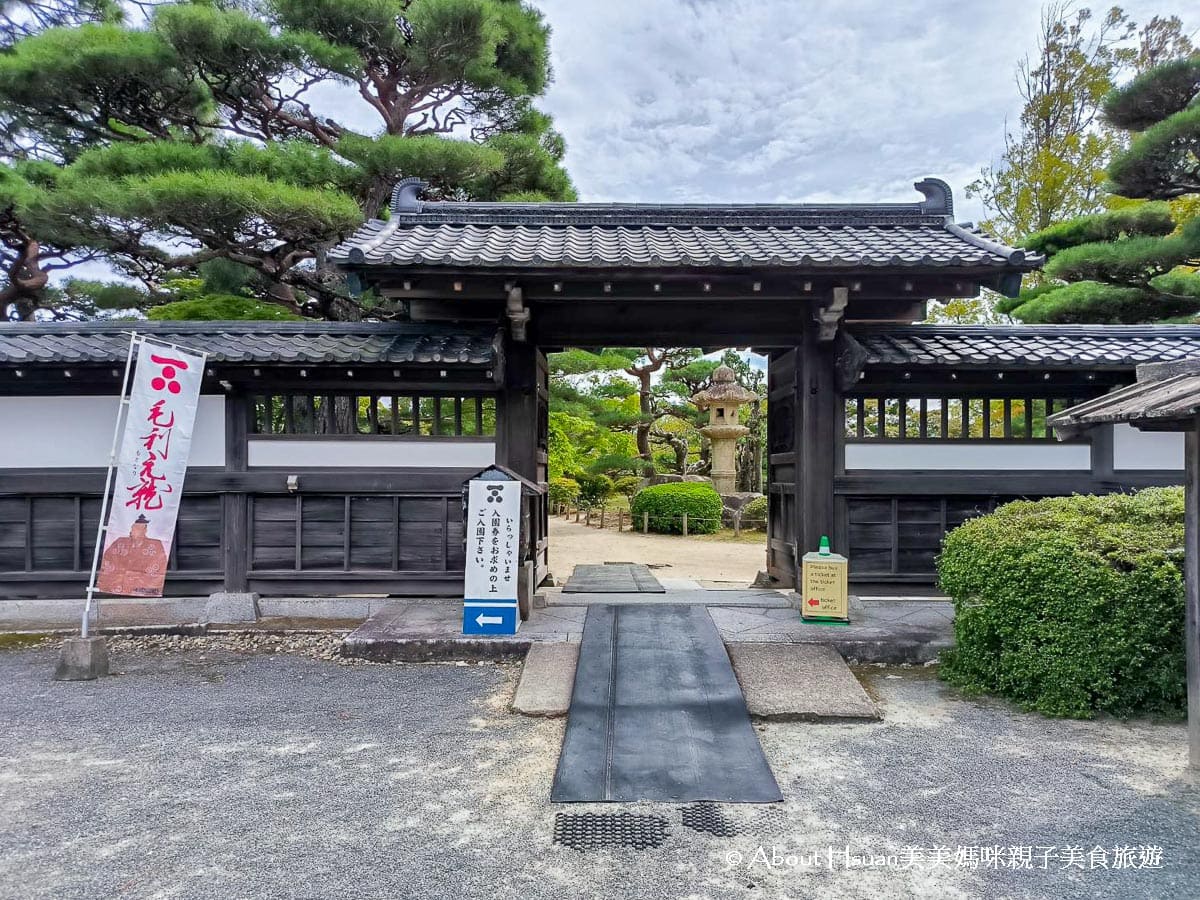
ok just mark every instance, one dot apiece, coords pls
pixel 203 770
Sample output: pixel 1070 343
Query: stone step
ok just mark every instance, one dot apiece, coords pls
pixel 546 680
pixel 799 683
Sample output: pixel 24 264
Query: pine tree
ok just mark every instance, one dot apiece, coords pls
pixel 1137 262
pixel 203 134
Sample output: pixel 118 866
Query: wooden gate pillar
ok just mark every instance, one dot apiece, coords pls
pixel 235 506
pixel 518 410
pixel 817 402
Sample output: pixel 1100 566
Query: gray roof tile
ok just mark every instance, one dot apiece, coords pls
pixel 1048 346
pixel 299 343
pixel 591 235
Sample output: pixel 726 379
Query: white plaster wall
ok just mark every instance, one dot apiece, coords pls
pixel 1133 449
pixel 73 431
pixel 998 456
pixel 371 453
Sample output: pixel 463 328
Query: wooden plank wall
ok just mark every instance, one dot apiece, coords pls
pixel 389 530
pixel 46 543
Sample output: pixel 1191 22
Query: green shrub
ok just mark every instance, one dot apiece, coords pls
pixel 594 489
pixel 1071 605
pixel 754 514
pixel 627 485
pixel 666 504
pixel 563 490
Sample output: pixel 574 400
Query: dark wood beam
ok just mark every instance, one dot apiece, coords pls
pixel 417 283
pixel 1191 630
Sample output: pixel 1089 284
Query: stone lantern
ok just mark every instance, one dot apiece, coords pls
pixel 722 400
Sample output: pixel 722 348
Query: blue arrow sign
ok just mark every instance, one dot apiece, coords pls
pixel 490 618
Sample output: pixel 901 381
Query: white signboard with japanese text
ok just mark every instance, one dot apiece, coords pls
pixel 150 468
pixel 493 526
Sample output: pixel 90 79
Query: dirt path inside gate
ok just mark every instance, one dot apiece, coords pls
pixel 733 562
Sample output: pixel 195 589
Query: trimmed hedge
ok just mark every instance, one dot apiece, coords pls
pixel 666 504
pixel 1071 605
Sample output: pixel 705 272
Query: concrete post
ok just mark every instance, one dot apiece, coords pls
pixel 82 659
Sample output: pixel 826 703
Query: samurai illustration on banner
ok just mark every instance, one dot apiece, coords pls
pixel 149 471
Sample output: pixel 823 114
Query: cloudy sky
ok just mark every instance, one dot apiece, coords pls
pixel 787 100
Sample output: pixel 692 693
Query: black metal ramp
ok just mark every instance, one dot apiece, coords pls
pixel 657 714
pixel 613 578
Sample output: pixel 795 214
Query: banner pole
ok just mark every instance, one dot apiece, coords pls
pixel 101 527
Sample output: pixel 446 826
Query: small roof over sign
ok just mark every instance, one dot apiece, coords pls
pixel 497 472
pixel 1165 397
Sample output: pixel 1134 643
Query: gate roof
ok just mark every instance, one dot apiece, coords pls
pixel 796 238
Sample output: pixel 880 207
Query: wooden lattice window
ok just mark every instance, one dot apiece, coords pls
pixel 376 415
pixel 951 418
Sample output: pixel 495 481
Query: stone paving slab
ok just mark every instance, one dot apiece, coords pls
pixel 546 680
pixel 886 631
pixel 883 631
pixel 612 578
pixel 432 629
pixel 799 683
pixel 679 584
pixel 754 599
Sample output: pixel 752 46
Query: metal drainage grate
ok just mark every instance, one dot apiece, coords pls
pixel 595 831
pixel 707 816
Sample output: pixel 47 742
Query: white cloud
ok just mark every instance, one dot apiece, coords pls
pixel 784 101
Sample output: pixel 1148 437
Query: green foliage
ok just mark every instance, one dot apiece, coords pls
pixel 92 297
pixel 627 485
pixel 1162 91
pixel 444 162
pixel 200 134
pixel 563 491
pixel 99 82
pixel 667 503
pixel 1053 162
pixel 1085 302
pixel 754 514
pixel 981 310
pixel 1131 265
pixel 1181 284
pixel 561 448
pixel 580 442
pixel 593 489
pixel 219 307
pixel 1131 221
pixel 1128 261
pixel 527 170
pixel 1071 605
pixel 1162 162
pixel 612 464
pixel 21 18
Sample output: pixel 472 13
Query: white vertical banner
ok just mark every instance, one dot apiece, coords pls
pixel 149 471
